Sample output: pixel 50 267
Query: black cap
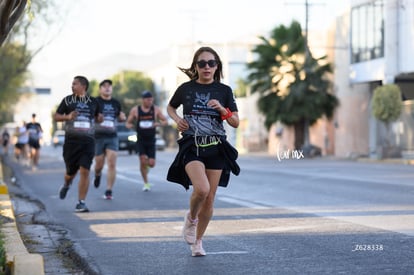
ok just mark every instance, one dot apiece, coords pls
pixel 105 81
pixel 146 94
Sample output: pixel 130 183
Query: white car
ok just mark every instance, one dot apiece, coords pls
pixel 58 138
pixel 160 143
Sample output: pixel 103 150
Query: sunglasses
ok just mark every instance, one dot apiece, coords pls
pixel 211 63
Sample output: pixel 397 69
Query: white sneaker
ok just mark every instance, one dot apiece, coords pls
pixel 197 249
pixel 147 187
pixel 189 229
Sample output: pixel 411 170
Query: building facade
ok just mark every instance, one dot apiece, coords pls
pixel 374 42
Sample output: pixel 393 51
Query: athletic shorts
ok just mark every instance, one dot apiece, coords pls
pixel 146 147
pixel 102 144
pixel 20 145
pixel 33 143
pixel 78 155
pixel 211 157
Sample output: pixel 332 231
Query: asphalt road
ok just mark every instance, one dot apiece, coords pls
pixel 291 216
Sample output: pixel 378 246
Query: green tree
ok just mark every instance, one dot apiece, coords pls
pixel 241 89
pixel 12 77
pixel 93 89
pixel 17 49
pixel 386 107
pixel 127 88
pixel 294 86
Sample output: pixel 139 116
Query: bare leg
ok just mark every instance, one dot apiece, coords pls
pixel 83 183
pixel 35 156
pixel 99 163
pixel 201 187
pixel 206 211
pixel 111 160
pixel 69 179
pixel 143 160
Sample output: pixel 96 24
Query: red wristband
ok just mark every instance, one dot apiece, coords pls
pixel 226 116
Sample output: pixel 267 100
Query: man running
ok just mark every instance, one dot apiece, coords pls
pixel 106 138
pixel 147 117
pixel 35 134
pixel 79 111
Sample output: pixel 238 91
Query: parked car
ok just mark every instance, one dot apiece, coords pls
pixel 127 138
pixel 58 138
pixel 160 143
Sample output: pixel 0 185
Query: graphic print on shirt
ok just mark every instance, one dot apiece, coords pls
pixel 203 119
pixel 34 130
pixel 84 122
pixel 108 125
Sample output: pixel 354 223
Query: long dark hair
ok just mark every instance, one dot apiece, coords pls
pixel 192 71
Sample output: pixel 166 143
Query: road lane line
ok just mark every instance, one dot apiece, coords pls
pixel 242 203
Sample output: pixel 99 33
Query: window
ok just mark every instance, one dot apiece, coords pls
pixel 367 31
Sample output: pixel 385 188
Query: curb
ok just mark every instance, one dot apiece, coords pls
pixel 18 260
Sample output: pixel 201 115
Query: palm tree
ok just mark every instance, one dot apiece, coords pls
pixel 293 84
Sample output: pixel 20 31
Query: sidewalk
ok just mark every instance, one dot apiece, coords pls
pixel 18 260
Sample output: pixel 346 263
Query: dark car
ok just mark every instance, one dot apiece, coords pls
pixel 127 138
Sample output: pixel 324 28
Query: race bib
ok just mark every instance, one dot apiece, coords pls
pixel 82 124
pixel 146 124
pixel 108 124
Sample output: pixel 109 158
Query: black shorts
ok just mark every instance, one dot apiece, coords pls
pixel 78 155
pixel 34 143
pixel 19 145
pixel 210 156
pixel 146 147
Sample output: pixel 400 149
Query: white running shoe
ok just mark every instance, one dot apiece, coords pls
pixel 197 249
pixel 189 229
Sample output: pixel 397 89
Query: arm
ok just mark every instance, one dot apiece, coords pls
pixel 232 120
pixel 161 118
pixel 65 117
pixel 121 116
pixel 133 115
pixel 182 124
pixel 99 118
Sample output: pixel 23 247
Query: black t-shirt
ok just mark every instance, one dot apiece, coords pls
pixel 110 110
pixel 6 136
pixel 203 120
pixel 34 130
pixel 81 129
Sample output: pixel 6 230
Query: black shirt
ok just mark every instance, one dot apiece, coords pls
pixel 34 130
pixel 203 120
pixel 110 109
pixel 82 128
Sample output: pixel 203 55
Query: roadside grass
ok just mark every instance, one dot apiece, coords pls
pixel 2 253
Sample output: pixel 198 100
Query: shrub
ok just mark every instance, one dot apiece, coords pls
pixel 386 103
